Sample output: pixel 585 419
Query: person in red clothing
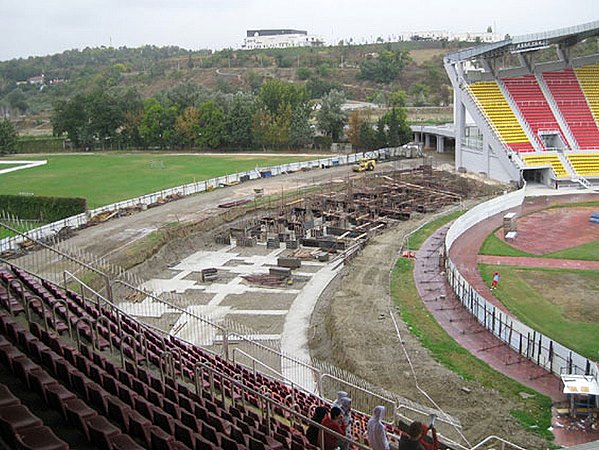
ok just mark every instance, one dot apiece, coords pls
pixel 333 421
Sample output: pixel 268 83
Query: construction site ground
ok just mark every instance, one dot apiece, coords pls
pixel 351 325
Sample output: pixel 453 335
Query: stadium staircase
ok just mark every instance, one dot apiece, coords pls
pixel 563 125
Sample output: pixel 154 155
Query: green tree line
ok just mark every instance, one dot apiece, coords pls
pixel 281 115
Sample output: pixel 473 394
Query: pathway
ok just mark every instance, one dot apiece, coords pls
pixel 439 299
pixel 527 261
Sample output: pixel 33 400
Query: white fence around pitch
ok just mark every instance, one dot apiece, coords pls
pixel 527 342
pixel 185 190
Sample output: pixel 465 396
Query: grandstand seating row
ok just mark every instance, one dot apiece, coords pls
pixel 572 103
pixel 499 113
pixel 586 165
pixel 61 346
pixel 575 92
pixel 546 159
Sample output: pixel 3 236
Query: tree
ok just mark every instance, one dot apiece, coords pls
pixel 157 126
pixel 187 126
pixel 240 109
pixel 398 98
pixel 368 138
pixel 385 68
pixel 303 73
pixel 8 137
pixel 186 94
pixel 300 133
pixel 212 125
pixel 419 92
pixel 70 117
pixel 381 133
pixel 353 132
pixel 318 87
pixel 331 118
pixel 104 116
pixel 393 134
pixel 276 95
pixel 16 101
pixel 399 131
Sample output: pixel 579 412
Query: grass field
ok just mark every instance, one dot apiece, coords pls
pixel 559 303
pixel 495 246
pixel 104 178
pixel 418 238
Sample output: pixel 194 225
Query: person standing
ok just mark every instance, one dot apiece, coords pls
pixel 345 403
pixel 375 430
pixel 495 281
pixel 320 412
pixel 334 421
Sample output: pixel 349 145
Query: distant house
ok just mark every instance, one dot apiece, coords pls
pixel 37 80
pixel 280 38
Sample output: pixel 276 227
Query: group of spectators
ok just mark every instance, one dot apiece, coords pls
pixel 339 419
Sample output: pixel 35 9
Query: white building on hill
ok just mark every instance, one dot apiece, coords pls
pixel 259 39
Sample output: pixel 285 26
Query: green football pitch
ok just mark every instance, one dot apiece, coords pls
pixel 104 178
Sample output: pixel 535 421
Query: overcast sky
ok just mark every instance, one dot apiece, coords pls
pixel 41 27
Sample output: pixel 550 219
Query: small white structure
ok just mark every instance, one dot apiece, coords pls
pixel 259 39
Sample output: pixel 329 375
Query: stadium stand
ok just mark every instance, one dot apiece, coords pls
pixel 533 106
pixel 164 393
pixel 500 115
pixel 568 95
pixel 588 77
pixel 586 164
pixel 546 159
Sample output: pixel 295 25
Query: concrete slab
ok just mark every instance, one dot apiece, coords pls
pixel 294 340
pixel 158 286
pixel 146 308
pixel 260 312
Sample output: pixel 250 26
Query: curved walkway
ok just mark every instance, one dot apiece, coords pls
pixel 465 329
pixel 458 323
pixel 528 261
pixel 439 299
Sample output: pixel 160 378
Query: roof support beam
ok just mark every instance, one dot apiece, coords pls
pixel 563 53
pixel 525 61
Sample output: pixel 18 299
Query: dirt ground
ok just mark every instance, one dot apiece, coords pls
pixel 551 230
pixel 351 325
pixel 352 328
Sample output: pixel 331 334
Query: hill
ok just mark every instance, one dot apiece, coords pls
pixel 364 72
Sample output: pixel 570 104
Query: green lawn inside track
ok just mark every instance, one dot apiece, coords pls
pixel 560 303
pixel 496 247
pixel 587 252
pixel 104 178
